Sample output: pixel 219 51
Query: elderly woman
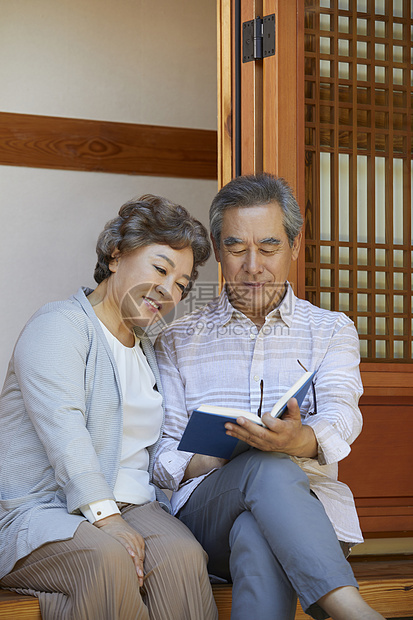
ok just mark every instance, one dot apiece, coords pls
pixel 81 413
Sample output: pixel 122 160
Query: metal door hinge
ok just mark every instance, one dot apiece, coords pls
pixel 258 38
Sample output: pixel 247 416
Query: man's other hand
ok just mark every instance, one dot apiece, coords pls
pixel 201 464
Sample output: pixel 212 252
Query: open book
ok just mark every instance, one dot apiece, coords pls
pixel 206 434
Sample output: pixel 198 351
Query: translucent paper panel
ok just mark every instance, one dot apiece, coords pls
pixel 343 47
pixel 399 348
pixel 362 202
pixel 325 196
pixel 398 258
pixel 362 302
pixel 380 258
pixel 380 29
pixel 380 51
pixel 325 277
pixel 398 281
pixel 325 45
pixel 344 256
pixel 398 201
pixel 343 24
pixel 362 256
pixel 344 302
pixel 381 349
pixel 344 200
pixel 344 70
pixel 380 280
pixel 325 22
pixel 398 31
pixel 398 327
pixel 398 8
pixel 325 68
pixel 397 53
pixel 325 300
pixel 379 7
pixel 380 196
pixel 362 27
pixel 380 303
pixel 381 326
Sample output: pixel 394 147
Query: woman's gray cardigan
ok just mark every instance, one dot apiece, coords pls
pixel 60 427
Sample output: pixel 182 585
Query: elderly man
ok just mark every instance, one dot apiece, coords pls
pixel 274 520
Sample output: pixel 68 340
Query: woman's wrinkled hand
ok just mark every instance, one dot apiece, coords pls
pixel 133 542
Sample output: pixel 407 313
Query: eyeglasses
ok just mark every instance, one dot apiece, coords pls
pixel 313 388
pixel 312 385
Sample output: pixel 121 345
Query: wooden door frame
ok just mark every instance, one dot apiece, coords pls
pixel 257 103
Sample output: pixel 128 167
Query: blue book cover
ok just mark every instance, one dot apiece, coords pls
pixel 206 434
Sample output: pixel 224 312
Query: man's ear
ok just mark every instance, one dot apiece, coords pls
pixel 216 249
pixel 296 246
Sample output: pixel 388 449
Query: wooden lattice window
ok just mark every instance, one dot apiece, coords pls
pixel 358 136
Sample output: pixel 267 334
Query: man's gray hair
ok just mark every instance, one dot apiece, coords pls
pixel 253 190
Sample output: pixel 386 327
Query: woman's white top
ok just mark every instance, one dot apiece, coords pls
pixel 142 419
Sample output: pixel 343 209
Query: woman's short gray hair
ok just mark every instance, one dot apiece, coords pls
pixel 253 190
pixel 151 220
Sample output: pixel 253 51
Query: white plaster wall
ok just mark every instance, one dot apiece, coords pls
pixel 119 60
pixel 48 234
pixel 138 61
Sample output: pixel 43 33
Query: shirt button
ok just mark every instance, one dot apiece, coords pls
pixel 256 378
pixel 98 513
pixel 252 336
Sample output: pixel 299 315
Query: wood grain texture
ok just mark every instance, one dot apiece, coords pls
pixel 251 100
pixel 102 146
pixel 387 379
pixel 13 605
pixel 283 108
pixel 224 85
pixel 379 467
pixel 387 586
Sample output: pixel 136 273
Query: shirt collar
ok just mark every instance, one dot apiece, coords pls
pixel 285 310
pixel 224 309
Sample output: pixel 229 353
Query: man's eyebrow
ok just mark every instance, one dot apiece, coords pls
pixel 168 260
pixel 271 240
pixel 232 241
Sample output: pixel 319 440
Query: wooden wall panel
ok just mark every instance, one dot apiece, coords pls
pixel 380 465
pixel 387 380
pixel 102 146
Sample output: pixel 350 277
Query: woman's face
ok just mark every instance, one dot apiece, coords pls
pixel 148 282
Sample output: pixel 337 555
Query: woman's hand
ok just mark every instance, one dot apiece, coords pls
pixel 133 542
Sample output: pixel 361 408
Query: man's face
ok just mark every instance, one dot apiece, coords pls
pixel 255 257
